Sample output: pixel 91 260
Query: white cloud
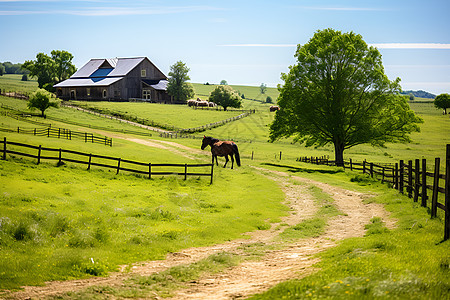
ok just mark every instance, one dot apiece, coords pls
pixel 113 11
pixel 411 46
pixel 260 45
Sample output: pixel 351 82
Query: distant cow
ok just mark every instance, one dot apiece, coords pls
pixel 274 108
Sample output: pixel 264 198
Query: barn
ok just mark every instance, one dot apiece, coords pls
pixel 116 79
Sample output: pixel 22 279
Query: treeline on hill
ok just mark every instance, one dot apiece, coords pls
pixel 10 68
pixel 419 94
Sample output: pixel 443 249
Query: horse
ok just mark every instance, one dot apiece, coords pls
pixel 222 148
pixel 274 108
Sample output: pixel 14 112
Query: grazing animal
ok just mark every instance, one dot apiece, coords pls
pixel 274 108
pixel 222 148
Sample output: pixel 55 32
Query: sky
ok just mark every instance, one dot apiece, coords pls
pixel 245 42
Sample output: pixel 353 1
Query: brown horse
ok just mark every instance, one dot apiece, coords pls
pixel 222 148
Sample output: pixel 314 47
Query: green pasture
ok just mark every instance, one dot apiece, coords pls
pixel 14 83
pixel 178 116
pixel 253 97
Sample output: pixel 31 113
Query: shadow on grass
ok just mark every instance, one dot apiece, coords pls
pixel 306 170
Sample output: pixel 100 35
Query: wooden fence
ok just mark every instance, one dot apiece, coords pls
pixel 62 133
pixel 411 178
pixel 118 164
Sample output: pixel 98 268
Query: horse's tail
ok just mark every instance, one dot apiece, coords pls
pixel 236 154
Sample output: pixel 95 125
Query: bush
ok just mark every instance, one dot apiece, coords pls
pixel 24 77
pixel 269 99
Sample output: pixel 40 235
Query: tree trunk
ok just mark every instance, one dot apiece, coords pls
pixel 339 154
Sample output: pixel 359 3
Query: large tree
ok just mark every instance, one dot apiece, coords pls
pixel 225 96
pixel 178 87
pixel 442 101
pixel 50 70
pixel 337 93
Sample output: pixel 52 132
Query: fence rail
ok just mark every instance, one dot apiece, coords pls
pixel 61 133
pixel 411 178
pixel 118 164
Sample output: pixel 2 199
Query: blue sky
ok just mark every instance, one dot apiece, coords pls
pixel 243 42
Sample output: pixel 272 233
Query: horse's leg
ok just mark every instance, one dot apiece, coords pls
pixel 226 161
pixel 217 161
pixel 232 160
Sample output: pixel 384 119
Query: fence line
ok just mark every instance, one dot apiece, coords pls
pixel 111 162
pixel 61 133
pixel 408 178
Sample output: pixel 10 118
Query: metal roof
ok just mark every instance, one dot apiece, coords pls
pixel 120 67
pixel 160 85
pixel 97 81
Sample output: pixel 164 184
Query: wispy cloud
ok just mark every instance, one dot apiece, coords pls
pixel 377 45
pixel 335 8
pixel 411 46
pixel 260 45
pixel 112 11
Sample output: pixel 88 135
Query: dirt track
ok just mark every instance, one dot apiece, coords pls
pixel 250 277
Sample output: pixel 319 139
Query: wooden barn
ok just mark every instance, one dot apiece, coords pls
pixel 116 79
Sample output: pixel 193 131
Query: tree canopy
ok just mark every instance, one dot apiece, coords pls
pixel 442 101
pixel 178 87
pixel 51 69
pixel 41 100
pixel 337 93
pixel 225 96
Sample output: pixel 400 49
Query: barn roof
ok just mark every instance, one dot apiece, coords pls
pixel 112 67
pixel 160 85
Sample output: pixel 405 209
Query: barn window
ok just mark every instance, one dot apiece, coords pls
pixel 143 73
pixel 73 94
pixel 88 91
pixel 147 94
pixel 104 94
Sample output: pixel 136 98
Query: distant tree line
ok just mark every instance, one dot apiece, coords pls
pixel 10 68
pixel 419 94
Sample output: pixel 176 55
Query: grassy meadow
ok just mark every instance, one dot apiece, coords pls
pixel 59 223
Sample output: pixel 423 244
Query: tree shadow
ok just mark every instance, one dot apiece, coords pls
pixel 293 169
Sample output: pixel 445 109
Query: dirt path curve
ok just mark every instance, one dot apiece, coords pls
pixel 293 261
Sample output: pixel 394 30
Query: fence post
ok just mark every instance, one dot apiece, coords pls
pixel 424 182
pixel 85 137
pixel 382 175
pixel 416 180
pixel 447 194
pixel 212 172
pixel 185 171
pixel 35 131
pixel 59 133
pixel 371 169
pixel 434 197
pixel 89 164
pixel 252 155
pixel 402 170
pixel 364 166
pixel 118 165
pixel 59 161
pixel 39 154
pixel 149 170
pixel 48 132
pixel 351 165
pixel 410 181
pixel 280 155
pixel 4 148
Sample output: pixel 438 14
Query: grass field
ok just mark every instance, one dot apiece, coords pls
pixel 66 222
